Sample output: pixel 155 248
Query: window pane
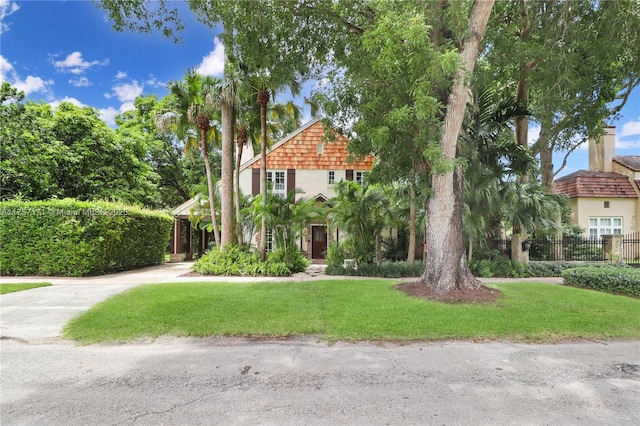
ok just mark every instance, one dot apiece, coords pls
pixel 593 222
pixel 605 221
pixel 279 184
pixel 617 221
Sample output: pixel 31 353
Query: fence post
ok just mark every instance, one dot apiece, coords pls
pixel 612 245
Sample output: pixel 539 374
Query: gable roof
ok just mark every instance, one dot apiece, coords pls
pixel 592 184
pixel 631 162
pixel 186 208
pixel 298 150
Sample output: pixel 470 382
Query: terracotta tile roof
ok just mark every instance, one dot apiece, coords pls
pixel 629 161
pixel 591 184
pixel 299 151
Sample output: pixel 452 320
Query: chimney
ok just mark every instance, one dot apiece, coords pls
pixel 601 153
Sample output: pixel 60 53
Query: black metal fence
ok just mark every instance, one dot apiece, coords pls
pixel 575 249
pixel 566 249
pixel 631 248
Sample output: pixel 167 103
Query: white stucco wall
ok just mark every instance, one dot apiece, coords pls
pixel 312 182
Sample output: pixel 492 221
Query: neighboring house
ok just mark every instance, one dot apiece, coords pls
pixel 606 198
pixel 304 160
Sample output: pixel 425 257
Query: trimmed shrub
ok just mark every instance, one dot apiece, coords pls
pixel 555 269
pixel 236 261
pixel 75 238
pixel 611 279
pixel 382 269
pixel 293 258
pixel 498 266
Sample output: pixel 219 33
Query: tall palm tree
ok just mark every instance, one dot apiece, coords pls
pixel 493 158
pixel 192 110
pixel 249 129
pixel 225 94
pixel 263 87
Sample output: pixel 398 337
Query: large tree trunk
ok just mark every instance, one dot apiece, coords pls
pixel 228 125
pixel 411 255
pixel 212 201
pixel 263 99
pixel 546 159
pixel 446 265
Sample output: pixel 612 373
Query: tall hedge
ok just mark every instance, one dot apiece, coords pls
pixel 75 238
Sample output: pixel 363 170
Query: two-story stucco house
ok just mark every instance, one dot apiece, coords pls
pixel 605 200
pixel 304 160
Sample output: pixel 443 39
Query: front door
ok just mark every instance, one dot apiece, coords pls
pixel 318 242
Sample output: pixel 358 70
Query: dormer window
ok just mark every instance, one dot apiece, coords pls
pixel 320 148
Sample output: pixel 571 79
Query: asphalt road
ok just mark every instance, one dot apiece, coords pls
pixel 45 380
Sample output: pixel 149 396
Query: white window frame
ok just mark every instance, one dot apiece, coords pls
pixel 269 242
pixel 360 176
pixel 279 187
pixel 604 225
pixel 331 177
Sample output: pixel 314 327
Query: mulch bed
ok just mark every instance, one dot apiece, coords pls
pixel 482 295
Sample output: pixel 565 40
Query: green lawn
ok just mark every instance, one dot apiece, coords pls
pixel 10 287
pixel 354 310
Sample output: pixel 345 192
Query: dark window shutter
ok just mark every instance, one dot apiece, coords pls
pixel 349 174
pixel 255 181
pixel 291 180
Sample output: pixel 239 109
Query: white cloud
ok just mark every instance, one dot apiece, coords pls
pixel 80 82
pixel 108 115
pixel 75 64
pixel 630 128
pixel 127 92
pixel 7 7
pixel 632 144
pixel 154 82
pixel 213 63
pixel 121 75
pixel 31 84
pixel 5 68
pixel 74 101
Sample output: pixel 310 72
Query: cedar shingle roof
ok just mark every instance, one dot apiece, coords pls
pixel 592 184
pixel 629 161
pixel 299 151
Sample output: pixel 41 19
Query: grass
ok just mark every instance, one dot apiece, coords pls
pixel 354 310
pixel 10 288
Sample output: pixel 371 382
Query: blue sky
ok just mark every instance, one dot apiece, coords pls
pixel 67 51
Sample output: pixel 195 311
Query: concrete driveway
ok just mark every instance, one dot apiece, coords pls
pixel 46 380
